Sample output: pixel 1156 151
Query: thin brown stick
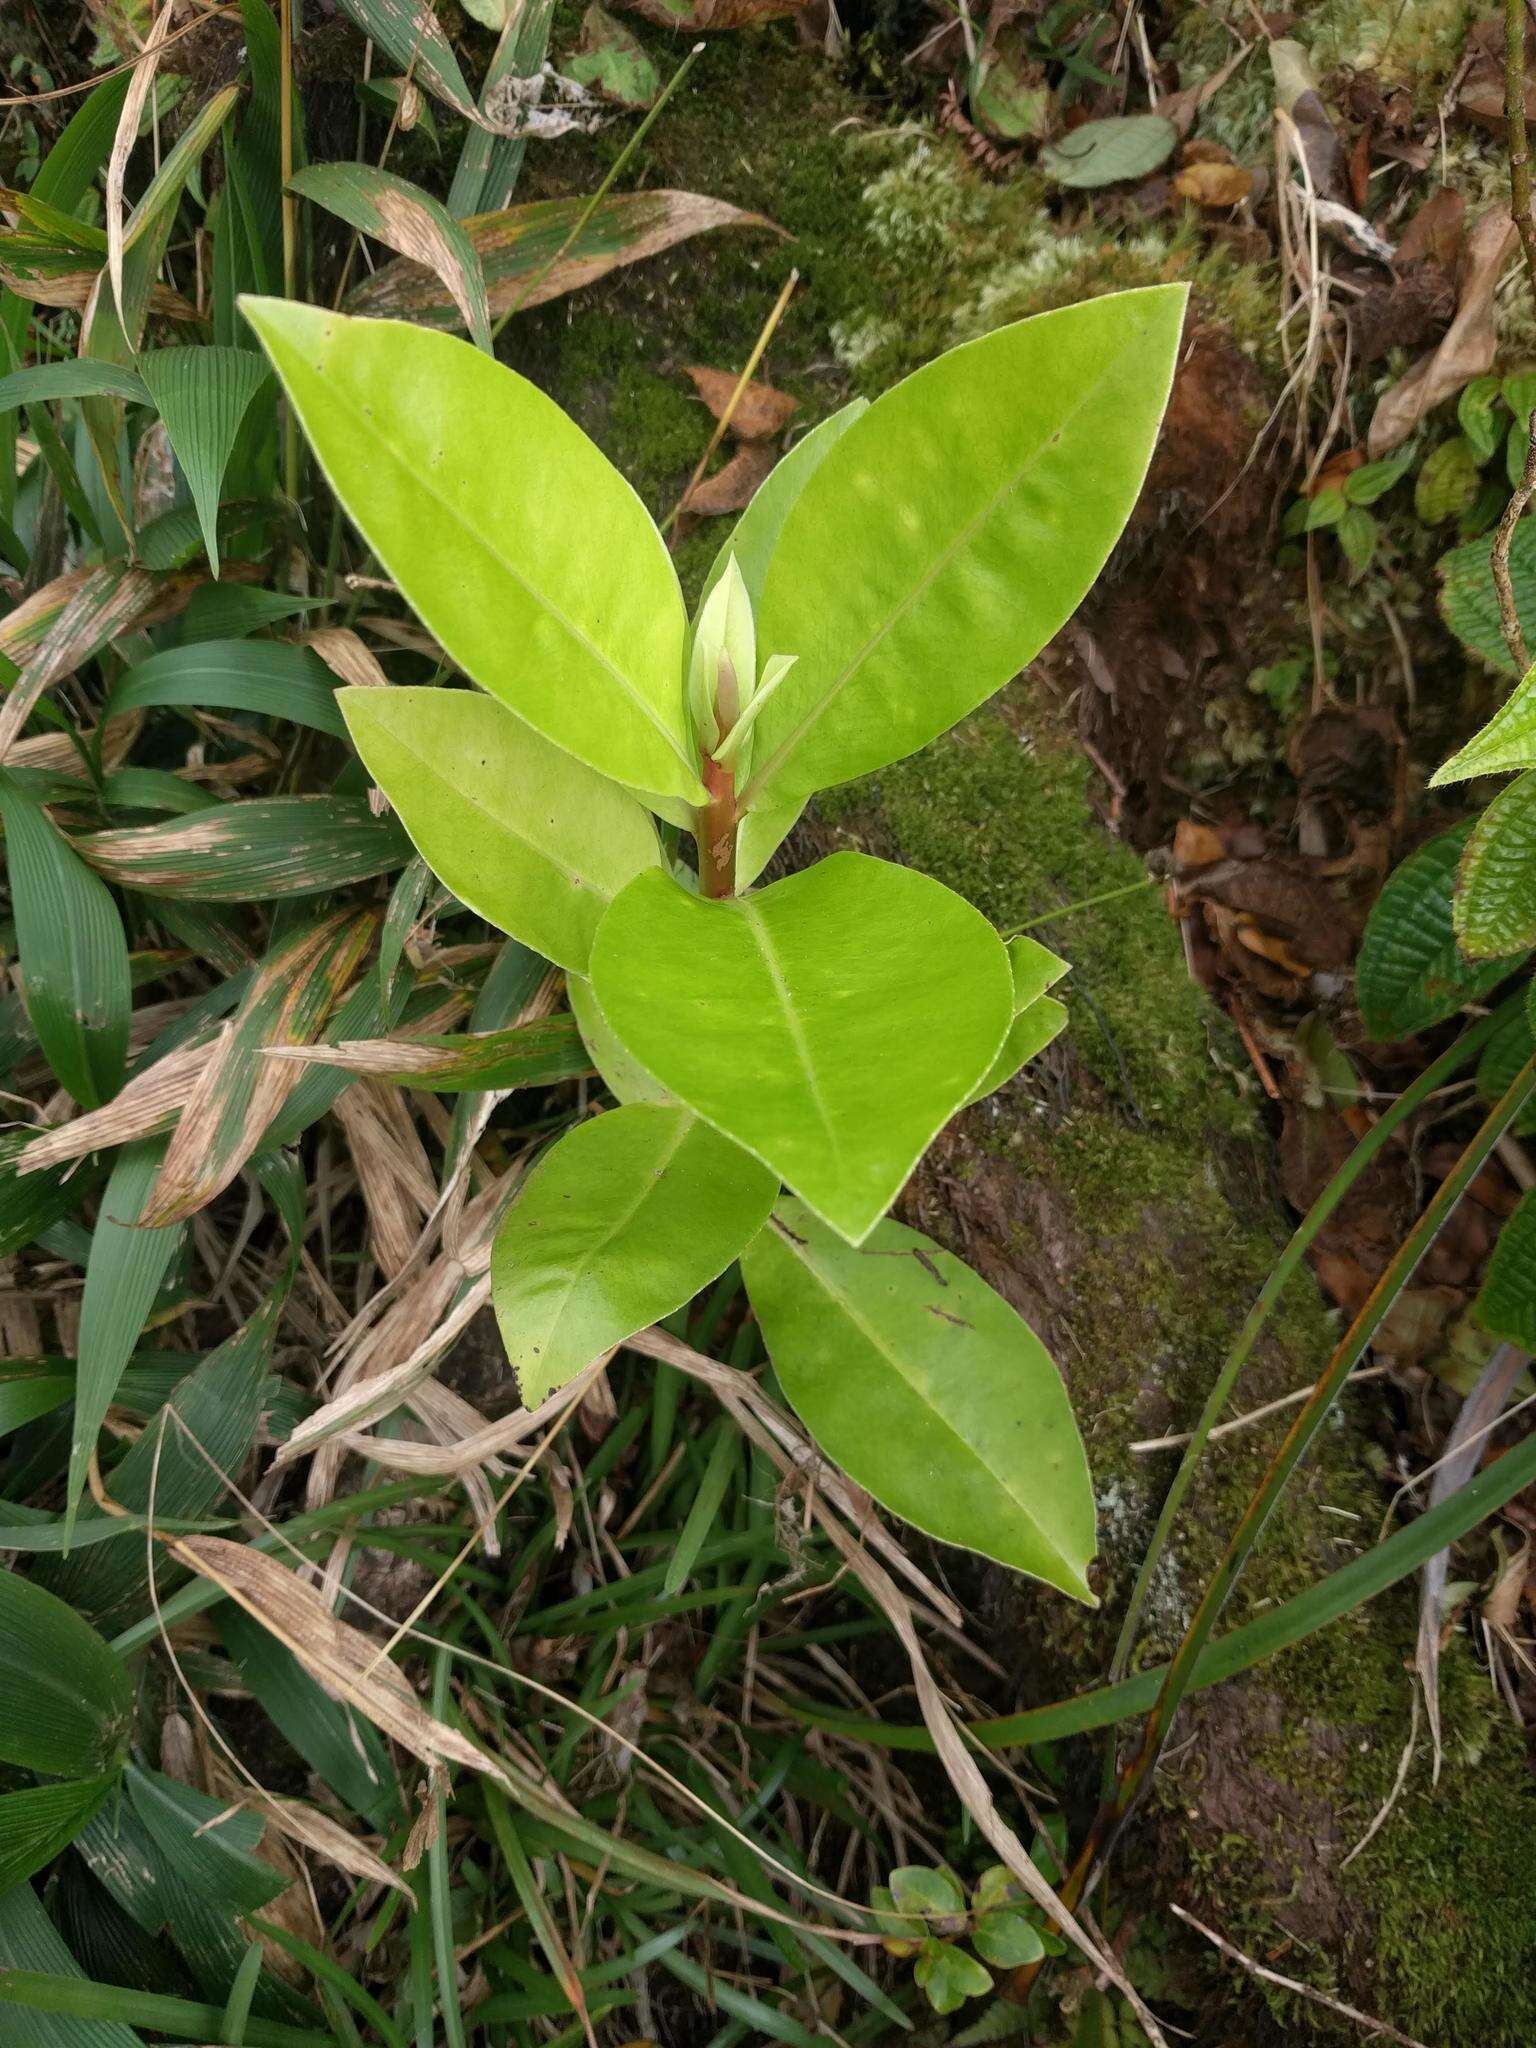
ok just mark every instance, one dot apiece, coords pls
pixel 1347 2012
pixel 1525 227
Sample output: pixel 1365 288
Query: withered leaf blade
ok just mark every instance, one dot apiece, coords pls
pixel 256 848
pixel 341 1657
pixel 731 488
pixel 516 245
pixel 238 1093
pixel 525 1055
pixel 761 412
pixel 1468 347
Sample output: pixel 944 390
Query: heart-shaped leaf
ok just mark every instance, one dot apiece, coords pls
pixel 622 1221
pixel 829 1023
pixel 513 537
pixel 952 530
pixel 518 830
pixel 927 1388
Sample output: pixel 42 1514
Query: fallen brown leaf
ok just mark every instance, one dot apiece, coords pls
pixel 1468 348
pixel 761 412
pixel 730 489
pixel 1213 184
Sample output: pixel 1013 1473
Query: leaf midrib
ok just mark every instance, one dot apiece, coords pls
pixel 793 1024
pixel 873 1337
pixel 792 739
pixel 588 646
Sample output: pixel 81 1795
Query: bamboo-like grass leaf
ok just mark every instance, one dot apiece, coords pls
pixel 273 678
pixel 621 1222
pixel 489 165
pixel 1410 972
pixel 75 975
pixel 411 34
pixel 203 396
pixel 830 1023
pixel 546 248
pixel 1494 907
pixel 124 1274
pixel 518 830
pixel 928 1389
pixel 37 1823
pixel 404 217
pixel 32 1950
pixel 266 846
pixel 239 1092
pixel 71 380
pixel 443 458
pixel 452 1063
pixel 945 538
pixel 66 1706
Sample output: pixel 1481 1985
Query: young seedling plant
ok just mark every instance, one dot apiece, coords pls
pixel 781 1054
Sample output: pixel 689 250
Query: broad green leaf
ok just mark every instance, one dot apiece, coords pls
pixel 203 395
pixel 1031 1031
pixel 32 1947
pixel 73 952
pixel 560 599
pixel 830 1023
pixel 627 1080
pixel 524 834
pixel 917 1888
pixel 273 678
pixel 928 1390
pixel 122 1278
pixel 257 848
pixel 621 1222
pixel 756 533
pixel 1007 1938
pixel 1107 152
pixel 1469 602
pixel 1507 741
pixel 949 1976
pixel 540 251
pixel 66 1706
pixel 400 214
pixel 1495 902
pixel 1410 972
pixel 37 1823
pixel 952 530
pixel 1506 1301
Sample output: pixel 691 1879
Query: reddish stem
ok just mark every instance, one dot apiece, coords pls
pixel 716 832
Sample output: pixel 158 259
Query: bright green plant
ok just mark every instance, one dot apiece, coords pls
pixel 816 1032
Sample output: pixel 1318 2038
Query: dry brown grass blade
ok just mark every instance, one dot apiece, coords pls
pixel 312 1829
pixel 345 655
pixel 150 1102
pixel 339 1656
pixel 393 1172
pixel 238 1093
pixel 490 1441
pixel 145 67
pixel 106 601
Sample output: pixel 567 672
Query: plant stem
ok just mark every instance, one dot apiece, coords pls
pixel 1114 1811
pixel 715 831
pixel 290 224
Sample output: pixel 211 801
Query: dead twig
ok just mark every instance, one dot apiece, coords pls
pixel 1257 1969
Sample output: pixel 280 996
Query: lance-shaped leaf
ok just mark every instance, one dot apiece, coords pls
pixel 524 834
pixel 73 952
pixel 489 165
pixel 621 1222
pixel 123 1275
pixel 928 1389
pixel 265 846
pixel 410 33
pixel 66 1706
pixel 517 542
pixel 45 381
pixel 1411 973
pixel 829 1023
pixel 952 530
pixel 203 396
pixel 273 678
pixel 238 1092
pixel 540 251
pixel 451 1063
pixel 1495 902
pixel 399 214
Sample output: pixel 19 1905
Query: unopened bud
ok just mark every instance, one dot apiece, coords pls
pixel 722 670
